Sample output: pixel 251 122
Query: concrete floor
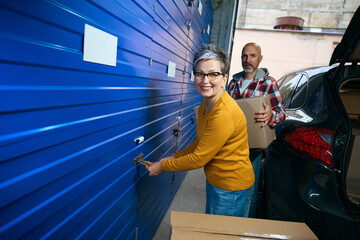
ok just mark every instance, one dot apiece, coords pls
pixel 190 197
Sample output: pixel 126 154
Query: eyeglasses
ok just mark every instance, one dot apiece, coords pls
pixel 211 75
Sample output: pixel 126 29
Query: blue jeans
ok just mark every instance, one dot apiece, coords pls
pixel 255 158
pixel 228 203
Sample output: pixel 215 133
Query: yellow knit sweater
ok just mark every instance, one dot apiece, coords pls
pixel 220 146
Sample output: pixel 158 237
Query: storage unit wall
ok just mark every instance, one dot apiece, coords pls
pixel 68 126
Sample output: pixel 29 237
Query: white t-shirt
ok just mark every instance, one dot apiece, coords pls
pixel 244 85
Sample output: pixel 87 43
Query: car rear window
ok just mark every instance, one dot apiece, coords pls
pixel 293 88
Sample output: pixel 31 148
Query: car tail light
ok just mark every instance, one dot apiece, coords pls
pixel 312 142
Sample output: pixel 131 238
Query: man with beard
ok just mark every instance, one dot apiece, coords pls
pixel 252 82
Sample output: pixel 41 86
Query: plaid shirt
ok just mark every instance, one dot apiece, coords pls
pixel 259 87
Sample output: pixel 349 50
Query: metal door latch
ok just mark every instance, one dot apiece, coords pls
pixel 139 140
pixel 188 24
pixel 138 159
pixel 176 132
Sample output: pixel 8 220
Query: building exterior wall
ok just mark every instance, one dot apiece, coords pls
pixel 285 51
pixel 261 14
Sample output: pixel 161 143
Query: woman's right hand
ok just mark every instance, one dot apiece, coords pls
pixel 155 168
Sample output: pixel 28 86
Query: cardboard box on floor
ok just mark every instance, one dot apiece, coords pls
pixel 191 226
pixel 258 137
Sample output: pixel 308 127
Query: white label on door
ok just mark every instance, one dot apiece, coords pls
pixel 99 46
pixel 200 7
pixel 171 69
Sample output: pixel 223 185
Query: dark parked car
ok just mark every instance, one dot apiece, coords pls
pixel 312 169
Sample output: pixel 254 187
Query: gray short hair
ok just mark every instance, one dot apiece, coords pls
pixel 208 52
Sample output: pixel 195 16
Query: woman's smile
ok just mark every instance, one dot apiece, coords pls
pixel 210 87
pixel 206 88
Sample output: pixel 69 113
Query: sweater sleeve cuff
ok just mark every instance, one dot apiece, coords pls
pixel 164 166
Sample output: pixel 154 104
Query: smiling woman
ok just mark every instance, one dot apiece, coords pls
pixel 221 144
pixel 209 82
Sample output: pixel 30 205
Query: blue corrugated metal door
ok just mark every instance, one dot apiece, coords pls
pixel 168 47
pixel 68 126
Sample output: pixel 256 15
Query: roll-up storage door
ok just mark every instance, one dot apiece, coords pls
pixel 73 123
pixel 166 75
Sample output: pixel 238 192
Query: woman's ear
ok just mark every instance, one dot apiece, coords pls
pixel 224 80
